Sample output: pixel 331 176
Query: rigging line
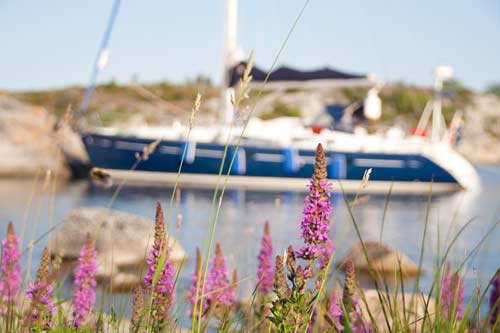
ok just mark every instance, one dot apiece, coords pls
pixel 101 58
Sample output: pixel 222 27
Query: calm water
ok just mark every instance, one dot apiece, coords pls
pixel 244 213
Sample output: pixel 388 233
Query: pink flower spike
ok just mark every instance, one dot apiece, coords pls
pixel 10 273
pixel 220 290
pixel 85 282
pixel 315 222
pixel 265 270
pixel 39 314
pixel 335 310
pixel 163 292
pixel 452 295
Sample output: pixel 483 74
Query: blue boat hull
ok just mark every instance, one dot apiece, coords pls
pixel 119 153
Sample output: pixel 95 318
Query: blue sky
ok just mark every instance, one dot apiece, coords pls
pixel 46 44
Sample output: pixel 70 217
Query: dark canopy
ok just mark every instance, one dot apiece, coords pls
pixel 287 74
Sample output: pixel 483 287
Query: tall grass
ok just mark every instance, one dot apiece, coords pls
pixel 307 302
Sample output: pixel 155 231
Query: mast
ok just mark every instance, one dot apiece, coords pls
pixel 231 42
pixel 102 58
pixel 231 55
pixel 441 74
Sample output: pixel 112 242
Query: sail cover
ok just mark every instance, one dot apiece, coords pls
pixel 287 77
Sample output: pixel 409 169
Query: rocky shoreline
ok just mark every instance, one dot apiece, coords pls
pixel 481 135
pixel 33 141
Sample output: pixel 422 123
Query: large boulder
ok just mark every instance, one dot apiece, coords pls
pixel 384 260
pixel 27 140
pixel 122 241
pixel 70 143
pixel 33 141
pixel 415 307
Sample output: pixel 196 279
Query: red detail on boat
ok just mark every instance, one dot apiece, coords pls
pixel 416 132
pixel 316 129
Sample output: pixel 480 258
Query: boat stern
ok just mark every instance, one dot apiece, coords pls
pixel 455 164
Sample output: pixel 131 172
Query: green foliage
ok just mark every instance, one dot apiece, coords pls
pixel 461 94
pixel 292 314
pixel 281 110
pixel 494 89
pixel 168 92
pixel 113 116
pixel 112 98
pixel 492 126
pixel 354 94
pixel 293 308
pixel 202 80
pixel 56 101
pixel 408 102
pixel 110 86
pixel 405 102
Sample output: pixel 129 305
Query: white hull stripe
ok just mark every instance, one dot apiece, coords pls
pixel 138 178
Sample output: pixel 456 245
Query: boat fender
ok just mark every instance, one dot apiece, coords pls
pixel 372 105
pixel 291 160
pixel 337 168
pixel 190 148
pixel 239 166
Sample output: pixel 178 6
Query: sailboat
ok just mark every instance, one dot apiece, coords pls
pixel 279 154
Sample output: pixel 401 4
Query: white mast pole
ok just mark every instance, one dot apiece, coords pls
pixel 230 51
pixel 231 31
pixel 441 74
pixel 436 110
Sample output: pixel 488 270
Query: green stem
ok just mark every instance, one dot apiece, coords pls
pixel 214 224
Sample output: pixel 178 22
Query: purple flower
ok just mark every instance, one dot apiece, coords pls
pixel 85 282
pixel 335 310
pixel 315 224
pixel 41 292
pixel 265 271
pixel 39 313
pixel 165 284
pixel 219 288
pixel 452 295
pixel 359 324
pixel 326 254
pixel 10 274
pixel 495 300
pixel 350 310
pixel 163 293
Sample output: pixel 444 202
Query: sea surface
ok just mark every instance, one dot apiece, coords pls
pixel 42 204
